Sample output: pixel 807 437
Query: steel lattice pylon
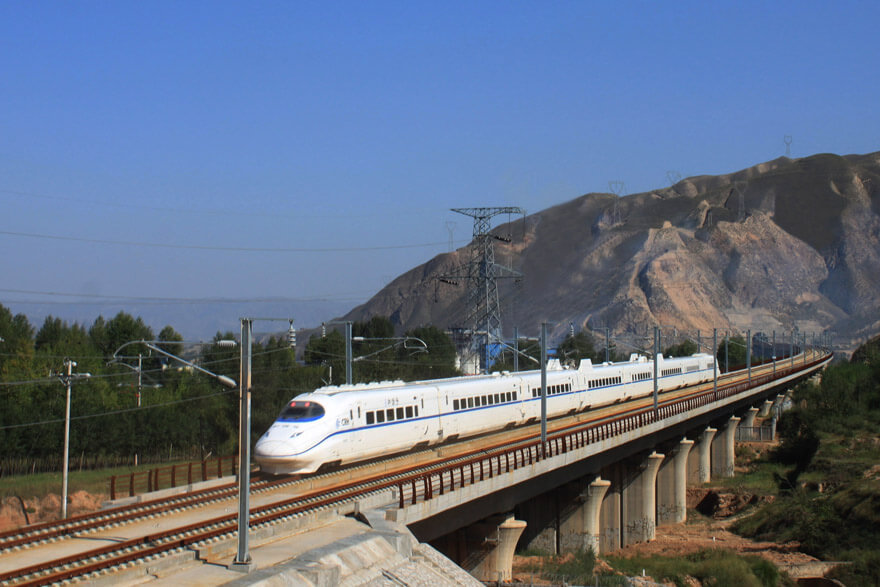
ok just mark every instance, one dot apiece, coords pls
pixel 482 273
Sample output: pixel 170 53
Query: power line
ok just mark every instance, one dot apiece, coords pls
pixel 213 211
pixel 221 248
pixel 313 299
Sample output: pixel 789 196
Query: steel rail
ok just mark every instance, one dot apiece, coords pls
pixel 583 433
pixel 36 534
pixel 488 459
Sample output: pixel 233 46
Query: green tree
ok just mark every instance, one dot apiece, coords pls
pixel 735 354
pixel 329 352
pixel 682 349
pixel 529 356
pixel 174 339
pixel 580 346
pixel 437 363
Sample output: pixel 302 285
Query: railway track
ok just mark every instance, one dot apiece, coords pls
pixel 122 535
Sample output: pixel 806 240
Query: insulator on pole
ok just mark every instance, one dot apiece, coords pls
pixel 291 336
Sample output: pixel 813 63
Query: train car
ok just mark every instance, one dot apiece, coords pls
pixel 337 425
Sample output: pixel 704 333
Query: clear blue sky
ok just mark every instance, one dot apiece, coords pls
pixel 357 125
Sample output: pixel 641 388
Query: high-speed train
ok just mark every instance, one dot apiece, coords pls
pixel 343 424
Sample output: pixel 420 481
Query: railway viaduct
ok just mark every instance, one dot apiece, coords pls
pixel 603 479
pixel 603 483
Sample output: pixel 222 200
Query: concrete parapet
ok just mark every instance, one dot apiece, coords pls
pixel 672 485
pixel 723 449
pixel 748 419
pixel 700 459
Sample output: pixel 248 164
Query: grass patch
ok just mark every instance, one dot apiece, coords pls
pixel 717 568
pixel 577 568
pixel 42 484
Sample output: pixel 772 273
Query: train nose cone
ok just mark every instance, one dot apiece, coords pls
pixel 271 448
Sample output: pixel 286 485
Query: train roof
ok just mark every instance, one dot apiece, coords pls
pixel 553 365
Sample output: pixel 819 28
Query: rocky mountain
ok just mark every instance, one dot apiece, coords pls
pixel 791 243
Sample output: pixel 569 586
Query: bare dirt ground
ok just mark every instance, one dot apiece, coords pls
pixel 699 533
pixel 45 509
pixel 705 532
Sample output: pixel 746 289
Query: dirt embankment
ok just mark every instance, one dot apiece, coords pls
pixel 711 513
pixel 15 513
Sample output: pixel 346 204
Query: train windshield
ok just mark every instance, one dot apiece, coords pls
pixel 301 411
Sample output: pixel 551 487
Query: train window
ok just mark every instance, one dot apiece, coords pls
pixel 380 416
pixel 409 411
pixel 359 412
pixel 400 413
pixel 470 402
pixel 299 411
pixel 389 414
pixel 455 404
pixel 416 409
pixel 485 401
pixel 498 399
pixel 370 418
pixel 351 414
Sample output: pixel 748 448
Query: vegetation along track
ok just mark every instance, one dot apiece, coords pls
pixel 162 542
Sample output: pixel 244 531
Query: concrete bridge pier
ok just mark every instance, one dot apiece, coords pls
pixel 582 529
pixel 749 418
pixel 672 485
pixel 777 403
pixel 723 449
pixel 765 409
pixel 700 459
pixel 611 509
pixel 485 549
pixel 639 498
pixel 498 563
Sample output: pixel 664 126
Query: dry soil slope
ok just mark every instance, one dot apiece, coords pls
pixel 804 251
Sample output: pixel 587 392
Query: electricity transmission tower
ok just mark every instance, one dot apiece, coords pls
pixel 481 273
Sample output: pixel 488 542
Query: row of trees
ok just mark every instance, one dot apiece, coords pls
pixel 181 411
pixel 176 410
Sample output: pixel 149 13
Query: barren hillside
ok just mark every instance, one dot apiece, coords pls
pixel 804 251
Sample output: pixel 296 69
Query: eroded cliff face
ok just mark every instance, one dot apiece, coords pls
pixel 788 243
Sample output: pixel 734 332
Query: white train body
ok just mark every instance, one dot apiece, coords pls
pixel 351 423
